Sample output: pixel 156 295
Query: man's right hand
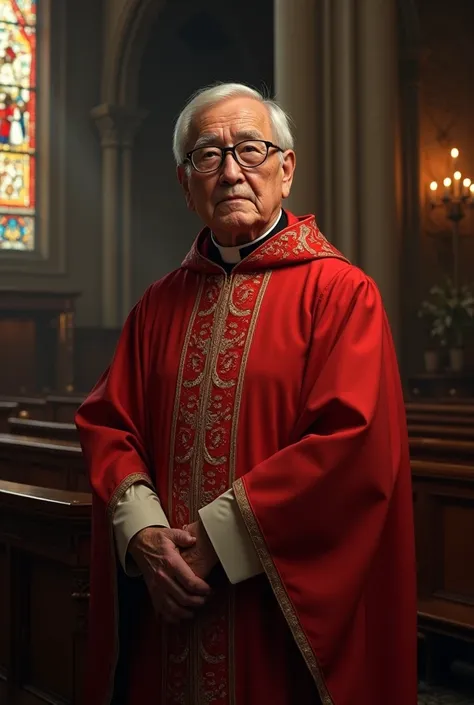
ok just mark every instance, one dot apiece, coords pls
pixel 174 589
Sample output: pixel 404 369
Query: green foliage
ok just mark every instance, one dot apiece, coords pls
pixel 448 314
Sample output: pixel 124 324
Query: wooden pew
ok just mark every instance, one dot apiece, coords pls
pixel 44 591
pixel 54 407
pixel 7 409
pixel 442 449
pixel 440 413
pixel 33 461
pixel 29 407
pixel 450 432
pixel 50 430
pixel 443 497
pixel 63 408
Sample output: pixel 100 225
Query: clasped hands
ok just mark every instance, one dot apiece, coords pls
pixel 174 564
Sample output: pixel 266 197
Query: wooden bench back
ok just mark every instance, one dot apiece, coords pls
pixel 51 430
pixel 59 465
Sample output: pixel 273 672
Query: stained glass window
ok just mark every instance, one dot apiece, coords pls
pixel 17 124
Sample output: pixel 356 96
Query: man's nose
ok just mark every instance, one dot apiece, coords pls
pixel 231 171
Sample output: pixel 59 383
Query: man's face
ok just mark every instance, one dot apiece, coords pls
pixel 237 203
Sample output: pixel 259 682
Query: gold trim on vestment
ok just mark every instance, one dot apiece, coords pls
pixel 280 592
pixel 179 383
pixel 205 395
pixel 243 366
pixel 126 483
pixel 200 458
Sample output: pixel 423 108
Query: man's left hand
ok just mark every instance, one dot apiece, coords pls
pixel 201 557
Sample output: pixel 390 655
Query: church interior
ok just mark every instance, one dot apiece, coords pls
pixel 91 213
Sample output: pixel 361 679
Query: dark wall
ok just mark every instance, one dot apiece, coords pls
pixel 446 119
pixel 84 162
pixel 190 46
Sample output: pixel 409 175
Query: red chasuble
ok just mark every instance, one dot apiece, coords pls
pixel 279 380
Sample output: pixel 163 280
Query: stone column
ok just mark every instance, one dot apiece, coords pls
pixel 411 334
pixel 131 123
pixel 342 87
pixel 335 73
pixel 315 48
pixel 106 119
pixel 117 127
pixel 377 101
pixel 296 81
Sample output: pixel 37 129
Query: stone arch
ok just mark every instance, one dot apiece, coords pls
pixel 119 118
pixel 122 63
pixel 124 55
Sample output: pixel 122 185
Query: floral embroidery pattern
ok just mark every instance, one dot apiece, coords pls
pixel 300 242
pixel 198 656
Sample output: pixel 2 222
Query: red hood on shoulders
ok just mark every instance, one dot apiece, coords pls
pixel 301 241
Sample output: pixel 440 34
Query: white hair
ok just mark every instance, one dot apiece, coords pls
pixel 206 97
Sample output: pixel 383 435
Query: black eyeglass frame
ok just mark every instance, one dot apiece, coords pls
pixel 225 150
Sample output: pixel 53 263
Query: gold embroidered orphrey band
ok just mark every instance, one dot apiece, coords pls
pixel 198 659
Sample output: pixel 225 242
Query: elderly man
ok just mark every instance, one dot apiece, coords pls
pixel 252 535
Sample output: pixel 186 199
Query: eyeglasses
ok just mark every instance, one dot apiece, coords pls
pixel 249 154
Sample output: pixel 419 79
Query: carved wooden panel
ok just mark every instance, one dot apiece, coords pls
pixel 39 336
pixel 444 525
pixel 457 518
pixel 49 648
pixel 44 587
pixel 17 356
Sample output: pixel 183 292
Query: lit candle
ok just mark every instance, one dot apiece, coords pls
pixel 455 153
pixel 433 189
pixel 457 184
pixel 466 183
pixel 471 189
pixel 447 183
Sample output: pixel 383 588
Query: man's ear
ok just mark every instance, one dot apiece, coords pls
pixel 182 174
pixel 288 166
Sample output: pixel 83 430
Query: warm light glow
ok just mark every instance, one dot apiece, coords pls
pixel 433 186
pixel 455 153
pixel 466 183
pixel 457 175
pixel 471 188
pixel 447 182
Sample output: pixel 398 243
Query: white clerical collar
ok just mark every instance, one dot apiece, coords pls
pixel 233 254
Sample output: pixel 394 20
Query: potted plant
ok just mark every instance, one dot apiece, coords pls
pixel 450 313
pixel 435 341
